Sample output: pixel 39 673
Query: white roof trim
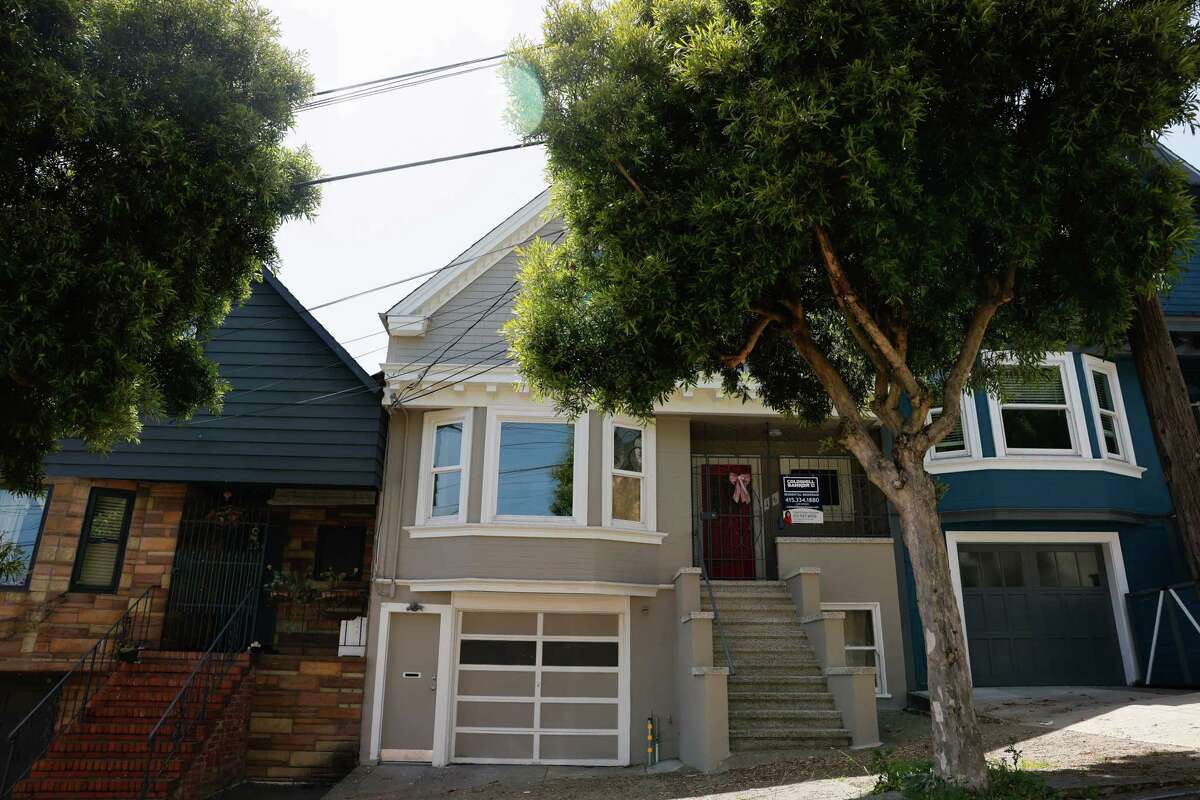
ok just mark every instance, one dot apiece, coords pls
pixel 498 243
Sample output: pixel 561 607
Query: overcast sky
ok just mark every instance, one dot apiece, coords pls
pixel 382 228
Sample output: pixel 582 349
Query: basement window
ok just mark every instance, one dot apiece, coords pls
pixel 864 639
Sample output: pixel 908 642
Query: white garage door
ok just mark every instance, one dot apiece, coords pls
pixel 538 687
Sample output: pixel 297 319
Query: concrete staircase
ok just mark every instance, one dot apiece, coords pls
pixel 778 697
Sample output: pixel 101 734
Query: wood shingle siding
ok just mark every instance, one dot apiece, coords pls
pixel 274 354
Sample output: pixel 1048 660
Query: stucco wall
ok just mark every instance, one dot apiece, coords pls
pixel 857 571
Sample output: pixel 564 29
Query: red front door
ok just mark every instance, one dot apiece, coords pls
pixel 727 521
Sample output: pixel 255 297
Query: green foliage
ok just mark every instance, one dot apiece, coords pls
pixel 695 145
pixel 14 560
pixel 915 779
pixel 144 177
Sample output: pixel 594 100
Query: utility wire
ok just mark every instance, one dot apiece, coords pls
pixel 391 87
pixel 343 392
pixel 404 75
pixel 411 164
pixel 411 398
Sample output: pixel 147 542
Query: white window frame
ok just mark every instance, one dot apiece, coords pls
pixel 648 475
pixel 1091 365
pixel 491 470
pixel 970 426
pixel 433 420
pixel 876 623
pixel 1076 426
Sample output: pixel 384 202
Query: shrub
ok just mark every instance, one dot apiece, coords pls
pixel 916 780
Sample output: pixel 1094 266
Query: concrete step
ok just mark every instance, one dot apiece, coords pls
pixel 763 644
pixel 749 602
pixel 747 701
pixel 789 739
pixel 755 630
pixel 759 719
pixel 755 616
pixel 759 682
pixel 724 586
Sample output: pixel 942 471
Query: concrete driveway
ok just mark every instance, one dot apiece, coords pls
pixel 1149 716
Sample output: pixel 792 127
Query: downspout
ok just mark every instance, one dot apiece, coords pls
pixel 396 543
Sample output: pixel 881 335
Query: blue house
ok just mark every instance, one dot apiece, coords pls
pixel 1059 523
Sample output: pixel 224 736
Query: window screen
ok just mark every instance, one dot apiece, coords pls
pixel 102 542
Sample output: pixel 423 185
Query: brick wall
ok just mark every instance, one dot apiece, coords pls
pixel 313 629
pixel 304 718
pixel 222 760
pixel 48 626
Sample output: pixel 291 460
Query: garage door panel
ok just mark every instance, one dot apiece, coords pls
pixel 494 745
pixel 579 716
pixel 579 684
pixel 1041 619
pixel 564 667
pixel 485 683
pixel 578 748
pixel 474 714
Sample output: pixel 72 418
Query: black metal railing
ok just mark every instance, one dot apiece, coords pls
pixel 67 703
pixel 183 721
pixel 737 514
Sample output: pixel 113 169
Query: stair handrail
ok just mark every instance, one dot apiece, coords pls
pixel 67 701
pixel 712 599
pixel 188 709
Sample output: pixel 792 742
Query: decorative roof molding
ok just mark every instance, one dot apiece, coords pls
pixel 443 285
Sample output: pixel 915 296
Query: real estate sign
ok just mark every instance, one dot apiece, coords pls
pixel 801 498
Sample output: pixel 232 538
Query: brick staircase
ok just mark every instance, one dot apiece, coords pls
pixel 106 754
pixel 778 698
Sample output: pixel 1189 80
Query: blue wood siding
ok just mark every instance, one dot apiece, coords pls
pixel 274 355
pixel 1183 299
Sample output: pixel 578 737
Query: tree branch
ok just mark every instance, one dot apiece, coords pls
pixel 737 359
pixel 854 311
pixel 1001 293
pixel 621 168
pixel 854 433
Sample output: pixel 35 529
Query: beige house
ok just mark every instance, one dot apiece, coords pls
pixel 602 591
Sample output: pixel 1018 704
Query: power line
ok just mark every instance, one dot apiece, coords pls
pixel 226 333
pixel 391 87
pixel 404 75
pixel 411 398
pixel 342 392
pixel 411 164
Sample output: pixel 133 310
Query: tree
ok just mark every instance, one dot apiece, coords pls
pixel 144 178
pixel 1175 431
pixel 854 207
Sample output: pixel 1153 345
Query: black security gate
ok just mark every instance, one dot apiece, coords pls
pixel 225 540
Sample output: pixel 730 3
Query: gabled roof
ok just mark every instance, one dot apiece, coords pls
pixel 319 329
pixel 410 315
pixel 1171 157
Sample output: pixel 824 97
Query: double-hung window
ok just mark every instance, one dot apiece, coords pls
pixel 536 468
pixel 445 456
pixel 628 493
pixel 1037 410
pixel 962 441
pixel 21 520
pixel 864 639
pixel 102 542
pixel 1108 410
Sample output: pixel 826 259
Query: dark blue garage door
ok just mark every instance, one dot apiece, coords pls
pixel 1039 615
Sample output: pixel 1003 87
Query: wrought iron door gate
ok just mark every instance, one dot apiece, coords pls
pixel 223 541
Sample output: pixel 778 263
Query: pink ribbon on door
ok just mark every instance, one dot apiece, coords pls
pixel 741 492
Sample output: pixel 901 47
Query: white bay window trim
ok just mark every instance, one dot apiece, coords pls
pixel 648 475
pixel 1076 424
pixel 1092 365
pixel 425 484
pixel 491 465
pixel 970 428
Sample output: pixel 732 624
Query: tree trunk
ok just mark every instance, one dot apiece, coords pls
pixel 957 744
pixel 1175 429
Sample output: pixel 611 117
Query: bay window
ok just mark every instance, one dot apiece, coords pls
pixel 1037 413
pixel 445 456
pixel 536 468
pixel 1108 410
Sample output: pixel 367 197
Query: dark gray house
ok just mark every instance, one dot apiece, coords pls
pixel 254 525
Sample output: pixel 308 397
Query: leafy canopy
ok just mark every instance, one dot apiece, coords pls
pixel 955 154
pixel 144 177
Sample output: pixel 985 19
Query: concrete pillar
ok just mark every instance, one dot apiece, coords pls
pixel 702 689
pixel 853 690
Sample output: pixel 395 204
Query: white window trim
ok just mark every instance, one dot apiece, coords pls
pixel 648 475
pixel 970 426
pixel 506 530
pixel 491 468
pixel 877 623
pixel 1092 364
pixel 1076 425
pixel 432 420
pixel 1114 566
